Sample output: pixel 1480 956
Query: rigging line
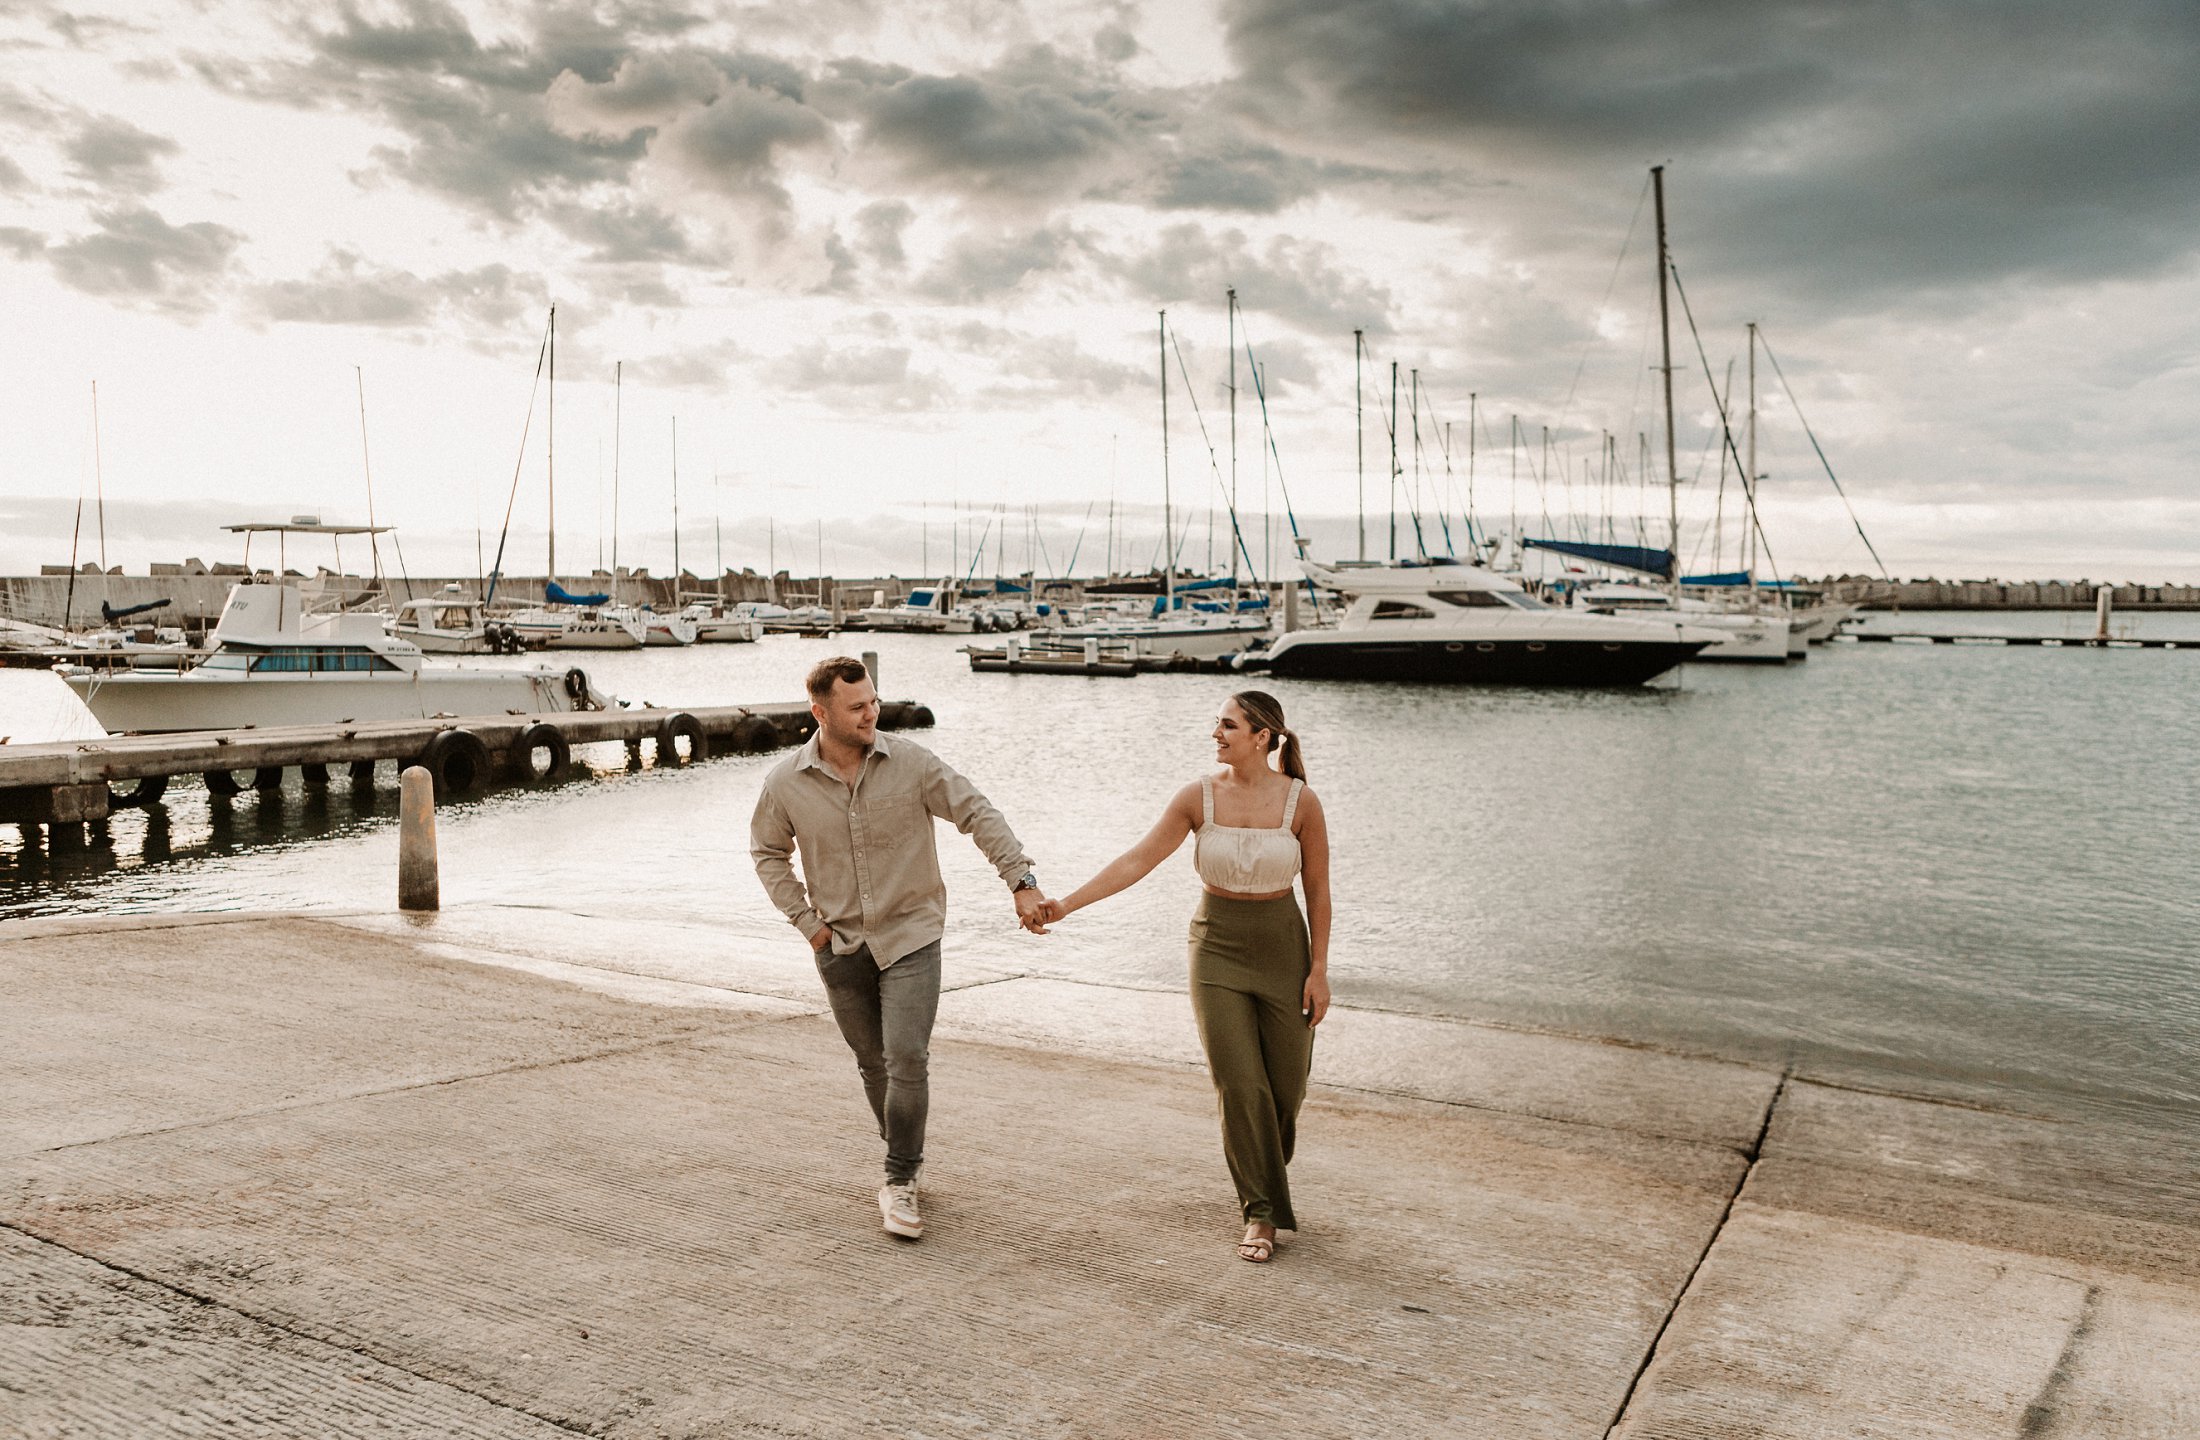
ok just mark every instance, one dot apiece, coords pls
pixel 1259 390
pixel 1083 525
pixel 1790 391
pixel 1397 471
pixel 1726 430
pixel 496 571
pixel 1213 465
pixel 1625 243
pixel 366 464
pixel 1260 393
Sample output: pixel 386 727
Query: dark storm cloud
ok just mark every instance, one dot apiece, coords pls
pixel 349 290
pixel 133 253
pixel 989 136
pixel 1299 281
pixel 116 155
pixel 1898 146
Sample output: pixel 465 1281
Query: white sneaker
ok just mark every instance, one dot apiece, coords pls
pixel 897 1205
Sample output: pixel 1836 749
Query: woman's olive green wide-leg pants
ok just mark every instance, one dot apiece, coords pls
pixel 1250 960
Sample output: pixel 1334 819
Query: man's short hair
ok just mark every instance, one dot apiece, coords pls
pixel 844 668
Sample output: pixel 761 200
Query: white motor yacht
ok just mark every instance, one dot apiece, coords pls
pixel 451 622
pixel 275 662
pixel 1462 623
pixel 925 610
pixel 1750 637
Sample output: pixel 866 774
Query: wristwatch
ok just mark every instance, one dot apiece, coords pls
pixel 1029 880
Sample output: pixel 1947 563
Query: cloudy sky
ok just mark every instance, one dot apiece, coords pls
pixel 888 265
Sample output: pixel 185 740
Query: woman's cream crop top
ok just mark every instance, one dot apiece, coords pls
pixel 1241 859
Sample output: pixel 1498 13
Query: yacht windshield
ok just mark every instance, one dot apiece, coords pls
pixel 1521 599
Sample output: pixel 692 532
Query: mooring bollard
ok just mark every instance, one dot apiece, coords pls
pixel 417 886
pixel 870 663
pixel 1290 608
pixel 2103 598
pixel 1092 651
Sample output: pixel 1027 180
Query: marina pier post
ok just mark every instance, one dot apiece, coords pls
pixel 418 885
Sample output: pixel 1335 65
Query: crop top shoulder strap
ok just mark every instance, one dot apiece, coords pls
pixel 1206 800
pixel 1291 805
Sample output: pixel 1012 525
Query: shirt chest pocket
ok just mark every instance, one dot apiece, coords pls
pixel 891 808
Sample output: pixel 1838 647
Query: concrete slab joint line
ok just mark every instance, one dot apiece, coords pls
pixel 282 1327
pixel 1650 1352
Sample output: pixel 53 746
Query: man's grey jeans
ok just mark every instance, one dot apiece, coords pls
pixel 886 1018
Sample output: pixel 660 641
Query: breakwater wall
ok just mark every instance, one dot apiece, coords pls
pixel 195 595
pixel 1874 594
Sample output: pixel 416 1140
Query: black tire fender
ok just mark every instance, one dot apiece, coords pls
pixel 457 761
pixel 669 731
pixel 755 734
pixel 576 686
pixel 148 792
pixel 222 782
pixel 540 736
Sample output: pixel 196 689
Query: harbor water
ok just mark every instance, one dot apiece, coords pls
pixel 1956 867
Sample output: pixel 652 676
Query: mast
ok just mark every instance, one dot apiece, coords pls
pixel 618 395
pixel 1359 434
pixel 1168 549
pixel 99 483
pixel 1393 462
pixel 1233 451
pixel 718 531
pixel 676 571
pixel 366 464
pixel 551 451
pixel 1413 407
pixel 1665 351
pixel 1749 481
pixel 1471 423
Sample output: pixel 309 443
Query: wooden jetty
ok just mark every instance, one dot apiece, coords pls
pixel 2052 642
pixel 1062 660
pixel 74 782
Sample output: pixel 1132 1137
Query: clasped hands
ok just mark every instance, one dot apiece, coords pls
pixel 1034 911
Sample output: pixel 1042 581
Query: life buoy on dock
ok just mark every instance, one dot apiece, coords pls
pixel 540 736
pixel 456 760
pixel 669 733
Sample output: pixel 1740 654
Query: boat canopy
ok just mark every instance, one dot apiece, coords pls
pixel 305 526
pixel 1626 557
pixel 1730 579
pixel 1010 587
pixel 557 594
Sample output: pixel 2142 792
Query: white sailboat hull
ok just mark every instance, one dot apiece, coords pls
pixel 197 700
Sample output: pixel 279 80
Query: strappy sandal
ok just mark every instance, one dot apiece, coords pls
pixel 1257 1249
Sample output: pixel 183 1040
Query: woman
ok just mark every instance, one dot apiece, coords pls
pixel 1259 983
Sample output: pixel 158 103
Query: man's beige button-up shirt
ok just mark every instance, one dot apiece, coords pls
pixel 869 867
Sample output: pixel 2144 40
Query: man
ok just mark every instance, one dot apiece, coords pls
pixel 870 899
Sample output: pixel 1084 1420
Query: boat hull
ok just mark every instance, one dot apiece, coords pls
pixel 1570 663
pixel 152 704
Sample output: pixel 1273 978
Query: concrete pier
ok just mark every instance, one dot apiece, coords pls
pixel 508 1172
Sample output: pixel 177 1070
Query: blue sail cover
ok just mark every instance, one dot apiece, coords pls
pixel 1625 557
pixel 557 594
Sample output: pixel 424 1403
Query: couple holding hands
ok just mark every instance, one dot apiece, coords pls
pixel 859 809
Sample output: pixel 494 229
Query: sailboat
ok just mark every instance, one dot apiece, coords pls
pixel 1749 631
pixel 1177 624
pixel 565 620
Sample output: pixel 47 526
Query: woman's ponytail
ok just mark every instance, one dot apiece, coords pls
pixel 1264 711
